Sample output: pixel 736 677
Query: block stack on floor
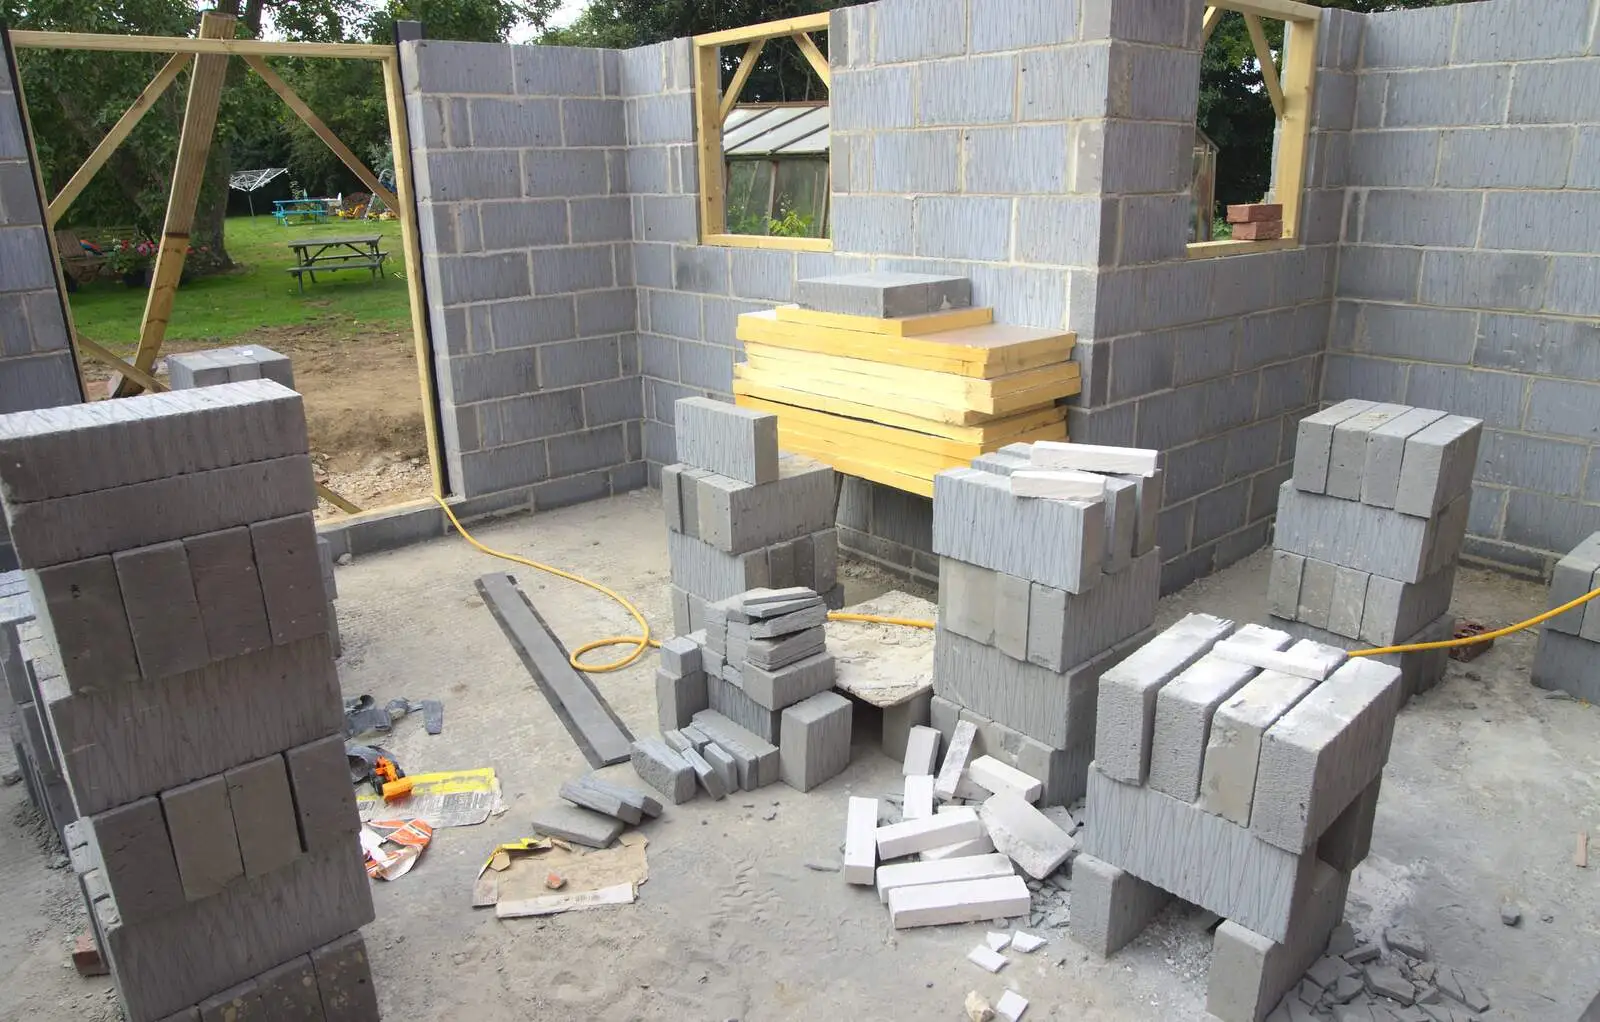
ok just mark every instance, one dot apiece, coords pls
pixel 184 670
pixel 1038 595
pixel 742 516
pixel 228 365
pixel 1569 644
pixel 1370 529
pixel 1238 771
pixel 895 377
pixel 748 700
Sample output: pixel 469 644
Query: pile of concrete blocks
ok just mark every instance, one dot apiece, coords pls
pixel 958 863
pixel 228 365
pixel 760 673
pixel 595 811
pixel 37 758
pixel 1370 530
pixel 1569 644
pixel 184 672
pixel 1239 771
pixel 741 516
pixel 1038 596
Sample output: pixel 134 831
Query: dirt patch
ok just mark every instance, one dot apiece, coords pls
pixel 363 407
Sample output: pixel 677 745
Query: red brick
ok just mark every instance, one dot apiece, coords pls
pixel 1260 230
pixel 1255 212
pixel 86 956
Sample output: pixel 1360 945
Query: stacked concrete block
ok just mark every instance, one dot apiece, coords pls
pixel 884 295
pixel 1567 659
pixel 1038 597
pixel 1249 792
pixel 740 515
pixel 26 659
pixel 183 673
pixel 1370 528
pixel 228 365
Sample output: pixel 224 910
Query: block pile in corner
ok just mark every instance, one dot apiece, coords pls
pixel 182 682
pixel 1038 596
pixel 741 516
pixel 1569 644
pixel 1370 528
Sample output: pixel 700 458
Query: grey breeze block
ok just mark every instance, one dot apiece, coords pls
pixel 1566 663
pixel 1195 855
pixel 663 769
pixel 1574 576
pixel 1110 906
pixel 1314 443
pixel 1367 538
pixel 1233 749
pixel 815 740
pixel 1056 708
pixel 1126 701
pixel 736 516
pixel 1061 771
pixel 1323 753
pixel 1357 604
pixel 728 699
pixel 1058 543
pixel 1250 973
pixel 757 758
pixel 727 439
pixel 74 449
pixel 1184 708
pixel 1147 499
pixel 679 697
pixel 704 571
pixel 883 294
pixel 1420 670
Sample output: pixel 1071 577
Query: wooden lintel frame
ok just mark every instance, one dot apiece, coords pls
pixel 814 57
pixel 712 107
pixel 747 66
pixel 214 44
pixel 1209 24
pixel 1290 92
pixel 1269 66
pixel 121 130
pixel 260 66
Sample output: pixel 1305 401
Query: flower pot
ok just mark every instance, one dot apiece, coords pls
pixel 136 278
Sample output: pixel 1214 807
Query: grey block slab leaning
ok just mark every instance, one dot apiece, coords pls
pixel 1438 465
pixel 1385 454
pixel 600 801
pixel 1126 701
pixel 1324 752
pixel 1347 454
pixel 727 440
pixel 163 611
pixel 815 743
pixel 663 769
pixel 883 294
pixel 1110 906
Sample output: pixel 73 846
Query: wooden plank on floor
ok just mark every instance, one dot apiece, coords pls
pixel 984 352
pixel 594 726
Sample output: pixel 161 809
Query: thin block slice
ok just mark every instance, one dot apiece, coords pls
pixel 1305 659
pixel 987 958
pixel 966 901
pixel 911 836
pixel 988 772
pixel 944 871
pixel 1314 443
pixel 1010 1006
pixel 860 840
pixel 1228 778
pixel 573 823
pixel 922 750
pixel 1049 454
pixel 598 801
pixel 955 759
pixel 1026 835
pixel 1059 485
pixel 918 797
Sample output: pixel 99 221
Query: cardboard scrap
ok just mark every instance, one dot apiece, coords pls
pixel 594 878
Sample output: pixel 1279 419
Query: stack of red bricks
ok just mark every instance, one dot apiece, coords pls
pixel 1256 221
pixel 183 666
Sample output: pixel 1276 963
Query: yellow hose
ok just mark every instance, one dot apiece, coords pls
pixel 1472 640
pixel 642 641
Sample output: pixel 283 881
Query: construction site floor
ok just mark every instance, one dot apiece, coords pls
pixel 1487 787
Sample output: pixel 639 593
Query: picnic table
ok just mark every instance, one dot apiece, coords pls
pixel 336 252
pixel 300 211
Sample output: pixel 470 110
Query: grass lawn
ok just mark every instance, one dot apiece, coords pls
pixel 258 293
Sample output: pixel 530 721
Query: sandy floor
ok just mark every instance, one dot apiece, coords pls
pixel 1488 783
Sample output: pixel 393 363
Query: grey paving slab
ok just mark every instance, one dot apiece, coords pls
pixel 1126 701
pixel 607 803
pixel 1324 752
pixel 883 294
pixel 771 654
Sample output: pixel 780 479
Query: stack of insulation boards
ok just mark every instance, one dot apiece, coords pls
pixel 895 377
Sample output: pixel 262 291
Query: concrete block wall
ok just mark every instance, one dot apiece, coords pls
pixel 520 162
pixel 1210 360
pixel 1469 274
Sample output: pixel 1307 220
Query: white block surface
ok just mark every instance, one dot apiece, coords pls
pixel 1305 659
pixel 945 871
pixel 860 848
pixel 918 797
pixel 1010 1006
pixel 1051 454
pixel 967 901
pixel 1027 835
pixel 995 776
pixel 1084 486
pixel 955 759
pixel 922 751
pixel 911 836
pixel 987 958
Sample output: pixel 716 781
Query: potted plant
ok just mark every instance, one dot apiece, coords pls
pixel 131 261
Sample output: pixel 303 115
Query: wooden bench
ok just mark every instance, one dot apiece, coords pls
pixel 330 264
pixel 79 263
